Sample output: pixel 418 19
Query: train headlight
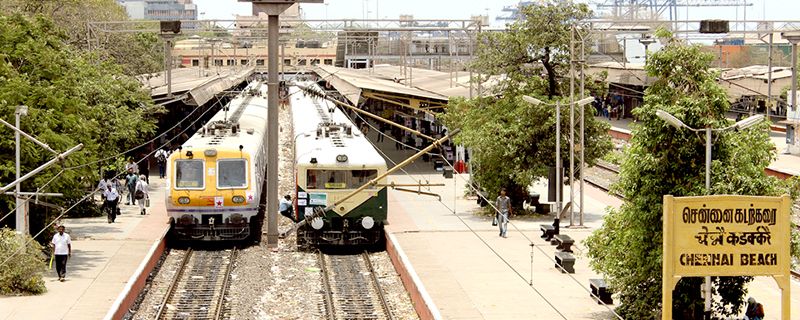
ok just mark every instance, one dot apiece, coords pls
pixel 341 158
pixel 186 219
pixel 183 200
pixel 317 223
pixel 237 218
pixel 367 222
pixel 237 199
pixel 210 152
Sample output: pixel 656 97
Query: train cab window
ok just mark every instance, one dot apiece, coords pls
pixel 339 179
pixel 361 177
pixel 189 174
pixel 232 173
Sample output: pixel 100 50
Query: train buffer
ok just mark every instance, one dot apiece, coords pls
pixel 563 241
pixel 600 291
pixel 565 262
pixel 548 231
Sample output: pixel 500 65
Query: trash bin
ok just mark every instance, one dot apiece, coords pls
pixel 448 173
pixel 437 164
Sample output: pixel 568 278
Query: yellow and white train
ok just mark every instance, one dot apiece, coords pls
pixel 332 158
pixel 215 180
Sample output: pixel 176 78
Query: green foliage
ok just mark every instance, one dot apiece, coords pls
pixel 513 142
pixel 137 53
pixel 533 50
pixel 71 100
pixel 663 160
pixel 25 272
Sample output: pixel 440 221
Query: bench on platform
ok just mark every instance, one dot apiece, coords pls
pixel 600 291
pixel 565 262
pixel 548 230
pixel 563 241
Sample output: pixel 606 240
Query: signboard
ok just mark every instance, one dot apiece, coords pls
pixel 317 199
pixel 726 236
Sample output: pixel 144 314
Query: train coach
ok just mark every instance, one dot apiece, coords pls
pixel 215 190
pixel 332 158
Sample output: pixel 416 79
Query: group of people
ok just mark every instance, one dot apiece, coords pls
pixel 112 189
pixel 610 108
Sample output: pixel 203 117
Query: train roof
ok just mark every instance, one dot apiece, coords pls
pixel 337 136
pixel 247 111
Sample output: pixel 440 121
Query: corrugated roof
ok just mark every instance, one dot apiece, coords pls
pixel 197 87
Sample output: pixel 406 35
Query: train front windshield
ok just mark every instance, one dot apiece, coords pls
pixel 339 179
pixel 189 174
pixel 232 173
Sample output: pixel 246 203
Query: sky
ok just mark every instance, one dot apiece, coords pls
pixel 781 10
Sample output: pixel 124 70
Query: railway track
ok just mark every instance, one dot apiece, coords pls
pixel 591 181
pixel 199 286
pixel 351 288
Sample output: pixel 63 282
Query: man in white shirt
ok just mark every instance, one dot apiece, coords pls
pixel 133 166
pixel 112 198
pixel 62 250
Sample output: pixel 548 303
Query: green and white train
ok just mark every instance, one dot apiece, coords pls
pixel 332 158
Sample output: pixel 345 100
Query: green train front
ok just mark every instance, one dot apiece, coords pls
pixel 357 220
pixel 332 159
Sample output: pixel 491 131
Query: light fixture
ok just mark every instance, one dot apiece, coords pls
pixel 341 158
pixel 585 101
pixel 670 119
pixel 532 100
pixel 237 199
pixel 21 110
pixel 749 121
pixel 313 160
pixel 367 222
pixel 210 152
pixel 183 200
pixel 189 154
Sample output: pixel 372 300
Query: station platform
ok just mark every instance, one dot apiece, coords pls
pixel 464 269
pixel 106 260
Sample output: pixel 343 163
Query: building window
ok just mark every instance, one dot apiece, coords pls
pixel 195 63
pixel 328 62
pixel 230 62
pixel 244 62
pixel 260 62
pixel 218 62
pixel 301 62
pixel 287 62
pixel 314 62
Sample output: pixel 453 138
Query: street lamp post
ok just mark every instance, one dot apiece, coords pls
pixel 22 208
pixel 559 173
pixel 743 124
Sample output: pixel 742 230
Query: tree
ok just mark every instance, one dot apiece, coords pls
pixel 513 142
pixel 662 160
pixel 72 99
pixel 137 53
pixel 535 45
pixel 24 273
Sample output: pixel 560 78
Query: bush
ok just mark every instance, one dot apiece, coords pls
pixel 24 272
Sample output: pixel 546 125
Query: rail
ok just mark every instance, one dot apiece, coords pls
pixel 347 293
pixel 198 289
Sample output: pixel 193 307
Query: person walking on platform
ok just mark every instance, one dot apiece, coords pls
pixel 141 193
pixel 503 211
pixel 132 166
pixel 381 131
pixel 112 199
pixel 62 250
pixel 755 311
pixel 161 157
pixel 145 170
pixel 101 187
pixel 130 185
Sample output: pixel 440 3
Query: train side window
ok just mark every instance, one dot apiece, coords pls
pixel 189 174
pixel 361 177
pixel 231 173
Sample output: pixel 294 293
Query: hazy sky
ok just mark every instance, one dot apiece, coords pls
pixel 463 9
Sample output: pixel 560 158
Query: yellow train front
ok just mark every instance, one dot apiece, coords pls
pixel 215 187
